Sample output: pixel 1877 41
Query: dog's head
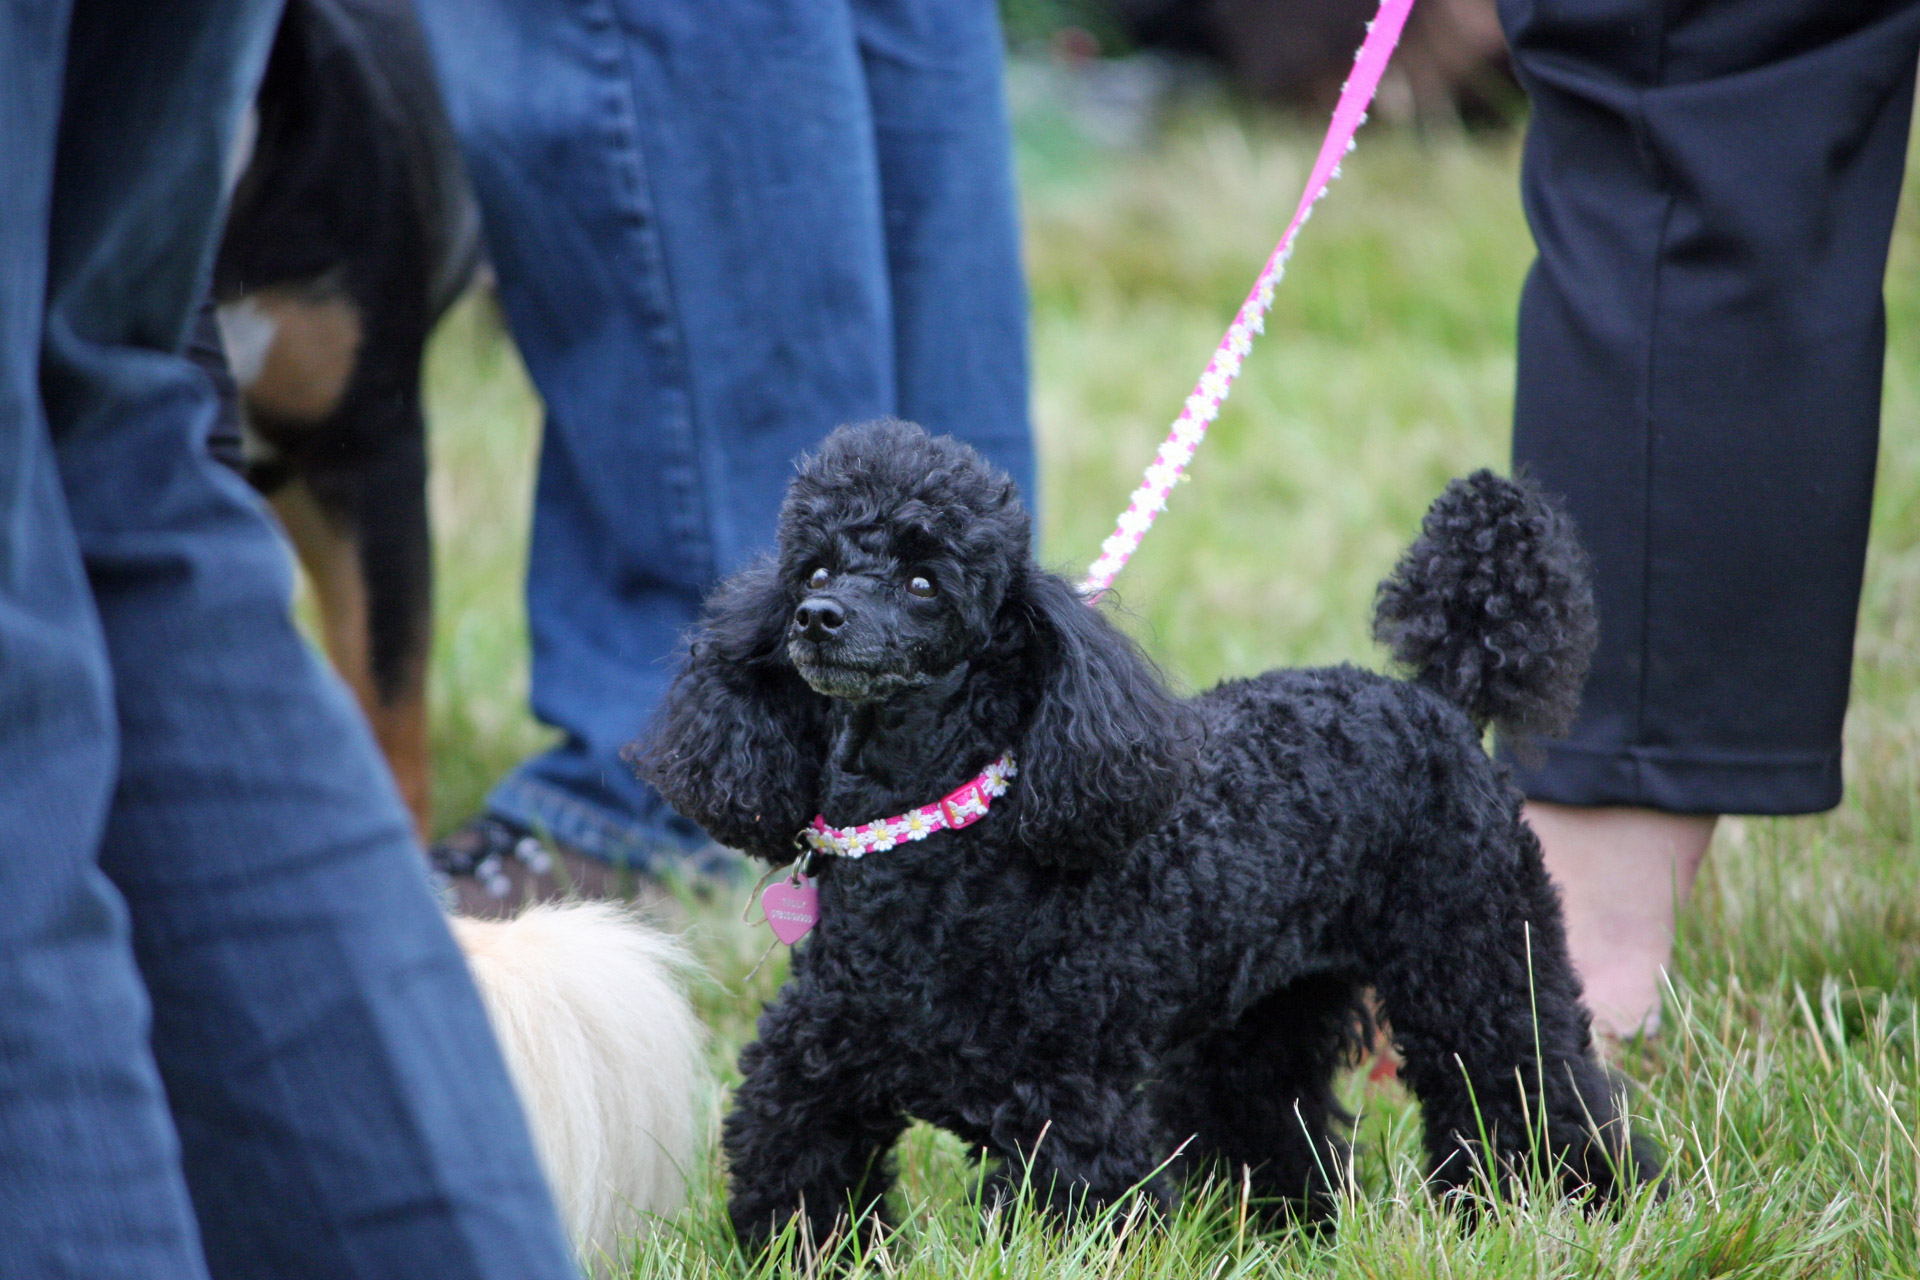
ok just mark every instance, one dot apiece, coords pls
pixel 903 557
pixel 900 548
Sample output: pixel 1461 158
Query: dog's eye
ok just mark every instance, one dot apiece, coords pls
pixel 919 586
pixel 818 581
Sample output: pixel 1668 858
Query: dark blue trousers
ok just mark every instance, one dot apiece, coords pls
pixel 235 1036
pixel 1712 189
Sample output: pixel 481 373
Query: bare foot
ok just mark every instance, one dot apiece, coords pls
pixel 1623 874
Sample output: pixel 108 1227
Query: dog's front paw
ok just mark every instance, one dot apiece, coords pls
pixel 810 1237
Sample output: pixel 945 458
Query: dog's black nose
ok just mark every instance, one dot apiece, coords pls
pixel 819 617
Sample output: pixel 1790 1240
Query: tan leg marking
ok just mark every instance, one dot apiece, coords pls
pixel 312 338
pixel 331 557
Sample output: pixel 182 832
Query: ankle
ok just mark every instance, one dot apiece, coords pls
pixel 1622 875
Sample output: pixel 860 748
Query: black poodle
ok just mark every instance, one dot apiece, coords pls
pixel 1156 942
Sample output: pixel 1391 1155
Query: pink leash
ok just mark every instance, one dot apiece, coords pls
pixel 1203 406
pixel 792 907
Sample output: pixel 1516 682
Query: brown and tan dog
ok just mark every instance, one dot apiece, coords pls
pixel 351 231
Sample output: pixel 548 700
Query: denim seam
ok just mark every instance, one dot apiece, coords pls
pixel 652 287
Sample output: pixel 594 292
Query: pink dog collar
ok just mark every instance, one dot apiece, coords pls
pixel 963 807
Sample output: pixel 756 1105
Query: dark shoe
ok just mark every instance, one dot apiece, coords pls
pixel 490 868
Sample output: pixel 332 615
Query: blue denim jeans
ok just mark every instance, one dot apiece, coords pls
pixel 721 228
pixel 236 1038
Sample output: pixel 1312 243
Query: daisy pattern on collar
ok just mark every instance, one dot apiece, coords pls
pixel 963 807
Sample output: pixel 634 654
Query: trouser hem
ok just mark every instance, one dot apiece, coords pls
pixel 570 822
pixel 1653 778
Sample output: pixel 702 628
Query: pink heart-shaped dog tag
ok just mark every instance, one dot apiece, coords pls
pixel 792 907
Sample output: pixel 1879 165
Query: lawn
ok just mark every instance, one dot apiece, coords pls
pixel 1786 1084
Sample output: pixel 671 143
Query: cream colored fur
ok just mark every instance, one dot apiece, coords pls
pixel 587 1003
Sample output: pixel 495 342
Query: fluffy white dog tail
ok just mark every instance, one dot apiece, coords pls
pixel 588 1006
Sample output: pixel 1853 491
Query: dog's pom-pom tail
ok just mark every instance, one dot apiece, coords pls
pixel 1491 606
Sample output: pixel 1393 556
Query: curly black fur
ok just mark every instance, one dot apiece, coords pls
pixel 741 736
pixel 1162 933
pixel 1491 606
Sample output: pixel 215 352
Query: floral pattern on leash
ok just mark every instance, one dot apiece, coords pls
pixel 1216 382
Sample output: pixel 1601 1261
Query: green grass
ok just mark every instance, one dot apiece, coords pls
pixel 1787 1082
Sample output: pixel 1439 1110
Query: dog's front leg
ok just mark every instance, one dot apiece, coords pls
pixel 811 1129
pixel 1074 1149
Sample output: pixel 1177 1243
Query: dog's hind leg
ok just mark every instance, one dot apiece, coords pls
pixel 1255 1101
pixel 1469 958
pixel 363 539
pixel 396 570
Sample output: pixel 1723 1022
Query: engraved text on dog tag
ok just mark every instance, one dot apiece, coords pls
pixel 792 907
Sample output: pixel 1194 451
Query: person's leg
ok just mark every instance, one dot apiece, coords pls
pixel 1623 874
pixel 684 208
pixel 1700 349
pixel 90 1184
pixel 341 1106
pixel 933 71
pixel 676 201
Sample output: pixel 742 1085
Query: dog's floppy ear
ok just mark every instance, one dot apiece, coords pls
pixel 738 745
pixel 1106 749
